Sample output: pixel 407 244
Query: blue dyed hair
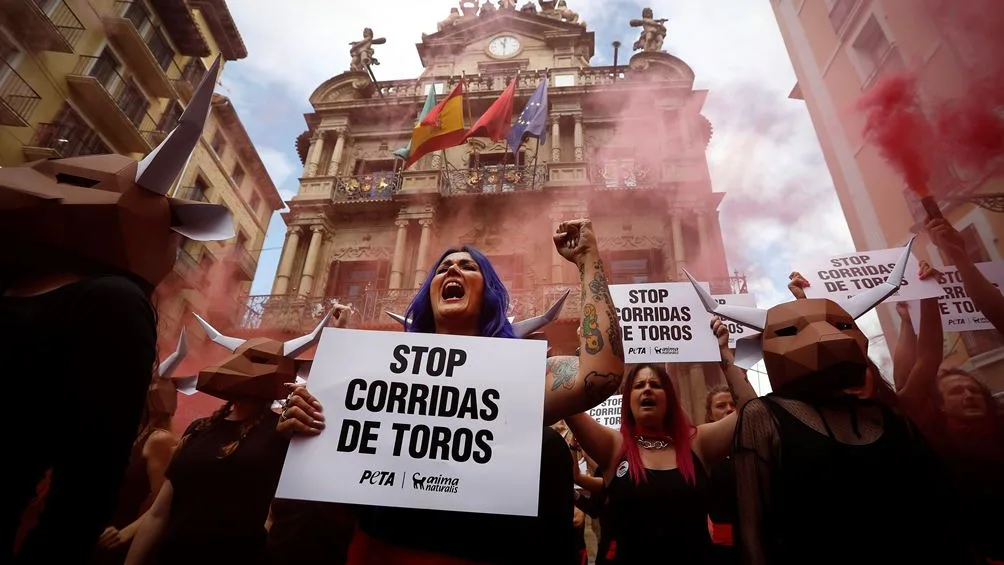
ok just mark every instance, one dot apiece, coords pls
pixel 493 321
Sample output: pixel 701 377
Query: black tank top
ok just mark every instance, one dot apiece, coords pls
pixel 663 515
pixel 835 503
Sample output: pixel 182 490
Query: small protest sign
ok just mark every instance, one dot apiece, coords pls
pixel 423 421
pixel 664 323
pixel 958 313
pixel 736 331
pixel 844 276
pixel 608 413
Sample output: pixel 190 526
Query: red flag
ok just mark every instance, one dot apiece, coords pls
pixel 433 117
pixel 497 120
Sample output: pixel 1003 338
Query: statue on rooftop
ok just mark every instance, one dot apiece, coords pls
pixel 450 20
pixel 528 8
pixel 470 7
pixel 487 8
pixel 362 51
pixel 566 14
pixel 653 31
pixel 507 4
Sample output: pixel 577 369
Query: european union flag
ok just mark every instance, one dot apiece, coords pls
pixel 533 121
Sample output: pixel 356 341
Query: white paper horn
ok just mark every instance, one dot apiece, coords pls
pixel 399 319
pixel 755 318
pixel 231 343
pixel 169 365
pixel 158 170
pixel 860 304
pixel 524 328
pixel 294 347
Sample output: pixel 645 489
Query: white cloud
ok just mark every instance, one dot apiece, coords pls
pixel 279 166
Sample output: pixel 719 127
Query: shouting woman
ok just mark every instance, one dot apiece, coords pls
pixel 463 295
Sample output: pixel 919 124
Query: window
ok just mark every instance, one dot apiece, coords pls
pixel 633 267
pixel 254 202
pixel 839 11
pixel 348 281
pixel 219 143
pixel 69 134
pixel 237 175
pixel 370 166
pixel 871 48
pixel 171 115
pixel 510 270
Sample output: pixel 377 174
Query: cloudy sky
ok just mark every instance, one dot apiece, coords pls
pixel 780 207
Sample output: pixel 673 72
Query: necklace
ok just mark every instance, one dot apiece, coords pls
pixel 646 443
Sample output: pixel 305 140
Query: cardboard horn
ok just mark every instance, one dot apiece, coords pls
pixel 860 304
pixel 749 351
pixel 186 385
pixel 169 365
pixel 294 347
pixel 755 318
pixel 231 343
pixel 524 328
pixel 158 170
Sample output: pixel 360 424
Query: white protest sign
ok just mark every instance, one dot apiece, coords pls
pixel 844 276
pixel 664 323
pixel 423 421
pixel 958 313
pixel 608 413
pixel 736 331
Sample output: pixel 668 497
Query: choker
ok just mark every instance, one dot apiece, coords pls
pixel 646 443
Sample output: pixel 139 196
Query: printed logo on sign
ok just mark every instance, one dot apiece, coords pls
pixel 667 350
pixel 435 483
pixel 380 478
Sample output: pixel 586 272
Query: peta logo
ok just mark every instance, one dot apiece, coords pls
pixel 380 478
pixel 667 350
pixel 435 483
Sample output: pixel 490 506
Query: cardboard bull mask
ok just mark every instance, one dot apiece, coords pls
pixel 521 329
pixel 109 212
pixel 162 398
pixel 808 343
pixel 259 368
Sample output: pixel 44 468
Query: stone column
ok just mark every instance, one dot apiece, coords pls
pixel 397 264
pixel 578 138
pixel 281 285
pixel 702 237
pixel 314 154
pixel 557 261
pixel 336 155
pixel 555 138
pixel 678 250
pixel 310 265
pixel 423 251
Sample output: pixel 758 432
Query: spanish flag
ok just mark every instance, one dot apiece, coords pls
pixel 441 128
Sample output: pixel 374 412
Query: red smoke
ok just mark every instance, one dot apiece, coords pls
pixel 966 131
pixel 896 123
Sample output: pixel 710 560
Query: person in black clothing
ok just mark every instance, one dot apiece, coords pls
pixel 807 455
pixel 215 500
pixel 94 236
pixel 463 295
pixel 723 511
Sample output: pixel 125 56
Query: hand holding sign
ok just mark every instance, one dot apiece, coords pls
pixel 797 285
pixel 721 331
pixel 301 414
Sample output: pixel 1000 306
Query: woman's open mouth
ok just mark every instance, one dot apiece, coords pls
pixel 647 402
pixel 452 291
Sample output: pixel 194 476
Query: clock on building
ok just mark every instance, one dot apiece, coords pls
pixel 503 46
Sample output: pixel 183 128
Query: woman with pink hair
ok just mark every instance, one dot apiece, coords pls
pixel 655 467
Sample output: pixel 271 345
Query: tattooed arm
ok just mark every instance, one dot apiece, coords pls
pixel 576 384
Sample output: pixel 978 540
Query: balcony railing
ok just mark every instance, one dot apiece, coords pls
pixel 497 81
pixel 244 259
pixel 44 25
pixel 494 179
pixel 18 98
pixel 150 32
pixel 190 77
pixel 623 174
pixel 195 193
pixel 126 95
pixel 67 140
pixel 372 186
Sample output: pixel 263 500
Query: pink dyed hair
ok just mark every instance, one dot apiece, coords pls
pixel 681 430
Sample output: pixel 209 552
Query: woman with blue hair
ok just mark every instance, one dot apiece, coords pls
pixel 463 295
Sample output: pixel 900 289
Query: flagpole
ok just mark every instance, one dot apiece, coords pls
pixel 470 117
pixel 536 149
